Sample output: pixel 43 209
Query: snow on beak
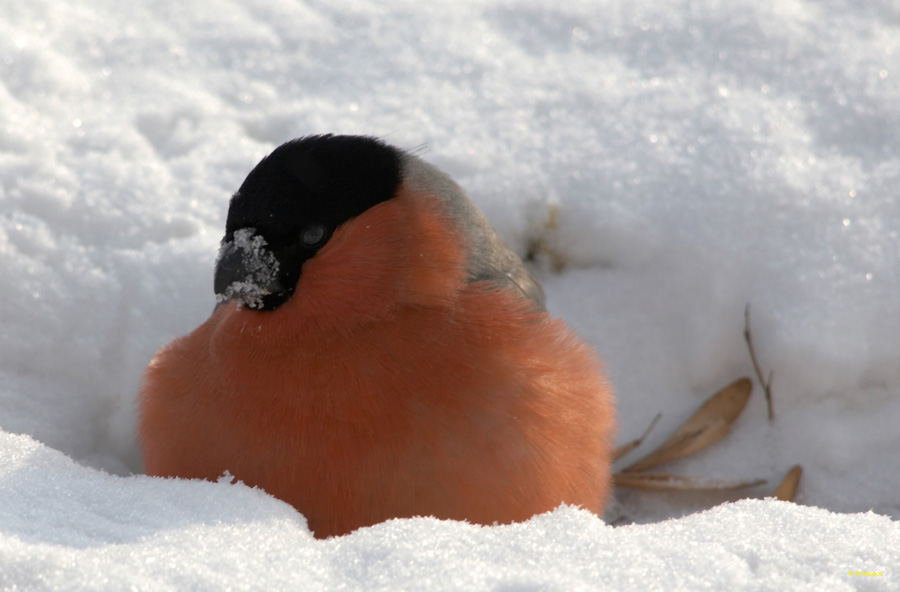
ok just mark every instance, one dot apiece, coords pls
pixel 245 270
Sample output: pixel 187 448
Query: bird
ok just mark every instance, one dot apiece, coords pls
pixel 377 351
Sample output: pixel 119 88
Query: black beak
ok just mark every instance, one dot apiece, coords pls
pixel 246 274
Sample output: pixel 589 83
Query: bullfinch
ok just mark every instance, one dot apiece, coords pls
pixel 377 352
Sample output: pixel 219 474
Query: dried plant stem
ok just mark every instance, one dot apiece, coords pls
pixel 626 448
pixel 766 384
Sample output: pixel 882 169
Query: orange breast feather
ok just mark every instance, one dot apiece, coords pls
pixel 387 387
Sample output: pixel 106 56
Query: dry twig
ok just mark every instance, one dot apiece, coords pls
pixel 766 384
pixel 626 448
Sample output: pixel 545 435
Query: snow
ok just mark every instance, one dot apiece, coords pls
pixel 261 266
pixel 102 532
pixel 667 162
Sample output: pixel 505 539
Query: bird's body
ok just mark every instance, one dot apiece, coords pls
pixel 411 370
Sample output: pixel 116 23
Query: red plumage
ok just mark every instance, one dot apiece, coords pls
pixel 390 384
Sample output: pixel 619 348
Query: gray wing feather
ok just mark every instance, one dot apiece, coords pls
pixel 490 259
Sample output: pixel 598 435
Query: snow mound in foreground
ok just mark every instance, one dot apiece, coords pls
pixel 67 526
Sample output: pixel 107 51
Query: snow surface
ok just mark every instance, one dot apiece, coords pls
pixel 676 159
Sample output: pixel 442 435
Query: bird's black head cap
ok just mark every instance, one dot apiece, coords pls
pixel 293 201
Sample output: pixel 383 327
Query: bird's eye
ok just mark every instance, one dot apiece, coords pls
pixel 312 235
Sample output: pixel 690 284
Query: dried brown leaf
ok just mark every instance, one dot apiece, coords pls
pixel 704 428
pixel 787 491
pixel 664 482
